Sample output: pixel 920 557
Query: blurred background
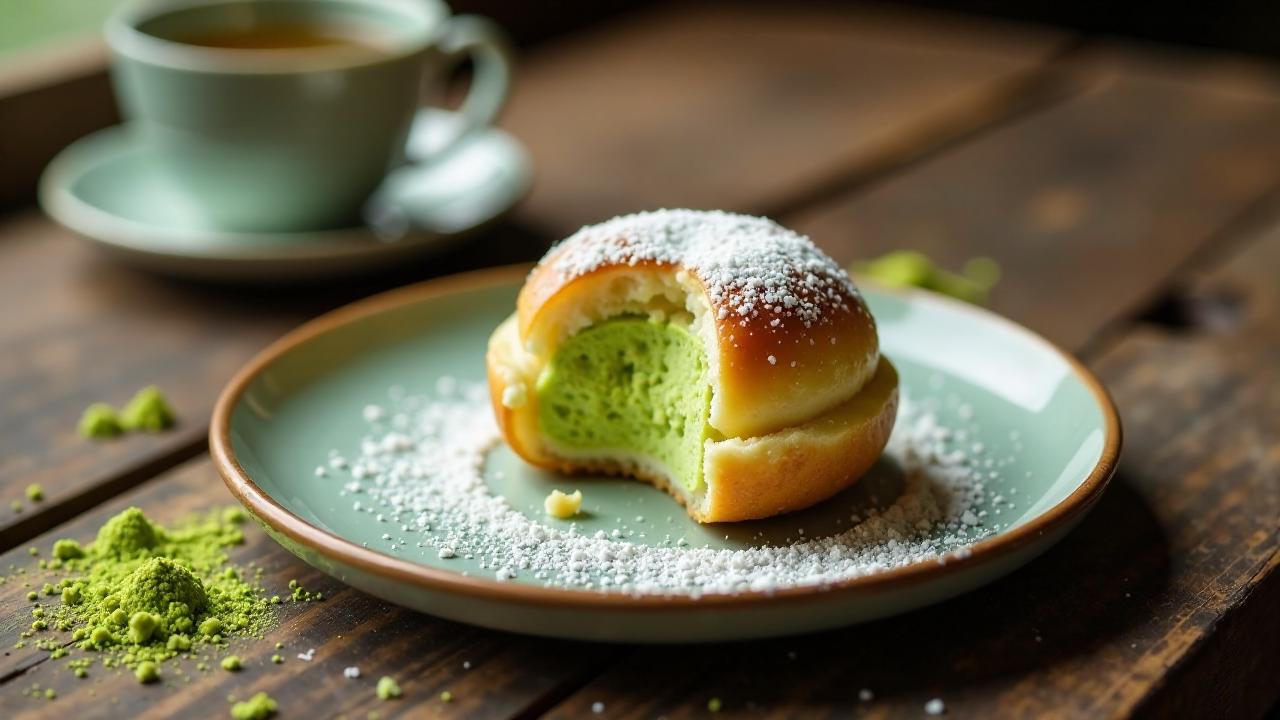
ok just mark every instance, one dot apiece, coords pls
pixel 52 64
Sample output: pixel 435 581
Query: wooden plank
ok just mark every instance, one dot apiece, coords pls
pixel 80 329
pixel 504 676
pixel 736 107
pixel 1213 384
pixel 1090 205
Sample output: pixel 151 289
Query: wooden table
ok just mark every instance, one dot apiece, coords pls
pixel 1130 193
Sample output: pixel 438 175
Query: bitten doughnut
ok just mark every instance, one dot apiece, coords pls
pixel 723 358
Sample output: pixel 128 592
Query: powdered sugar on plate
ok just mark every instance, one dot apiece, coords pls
pixel 421 469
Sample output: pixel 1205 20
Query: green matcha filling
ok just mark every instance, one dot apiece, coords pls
pixel 631 384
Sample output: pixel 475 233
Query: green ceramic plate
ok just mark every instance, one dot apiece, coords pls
pixel 1049 423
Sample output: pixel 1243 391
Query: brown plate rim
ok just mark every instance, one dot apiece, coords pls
pixel 269 511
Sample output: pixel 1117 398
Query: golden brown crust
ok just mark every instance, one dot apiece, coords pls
pixel 518 425
pixel 800 466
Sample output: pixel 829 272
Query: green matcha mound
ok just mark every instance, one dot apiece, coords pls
pixel 142 593
pixel 100 420
pixel 633 385
pixel 147 672
pixel 258 707
pixel 66 549
pixel 148 410
pixel 388 688
pixel 165 591
pixel 128 534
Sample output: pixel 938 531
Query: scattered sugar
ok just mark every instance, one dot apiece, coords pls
pixel 433 484
pixel 351 673
pixel 750 266
pixel 935 707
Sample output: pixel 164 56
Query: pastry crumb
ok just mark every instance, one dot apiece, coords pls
pixel 514 396
pixel 559 505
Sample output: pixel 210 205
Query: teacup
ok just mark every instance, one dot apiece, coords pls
pixel 284 115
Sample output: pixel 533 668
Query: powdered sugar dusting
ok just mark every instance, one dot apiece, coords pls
pixel 427 484
pixel 751 266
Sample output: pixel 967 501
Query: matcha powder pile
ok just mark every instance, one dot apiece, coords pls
pixel 141 594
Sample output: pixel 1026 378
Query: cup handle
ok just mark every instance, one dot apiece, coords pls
pixel 463 36
pixel 481 40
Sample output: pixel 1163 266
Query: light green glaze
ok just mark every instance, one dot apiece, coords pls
pixel 631 384
pixel 959 358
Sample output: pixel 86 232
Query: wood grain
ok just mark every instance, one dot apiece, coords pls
pixel 506 674
pixel 1091 204
pixel 740 106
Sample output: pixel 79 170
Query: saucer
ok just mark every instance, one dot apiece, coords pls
pixel 106 188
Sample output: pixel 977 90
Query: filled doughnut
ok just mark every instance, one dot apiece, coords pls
pixel 721 357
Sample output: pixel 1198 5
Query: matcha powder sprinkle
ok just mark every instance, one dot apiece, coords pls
pixel 258 707
pixel 141 594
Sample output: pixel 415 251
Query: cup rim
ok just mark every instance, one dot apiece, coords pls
pixel 125 38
